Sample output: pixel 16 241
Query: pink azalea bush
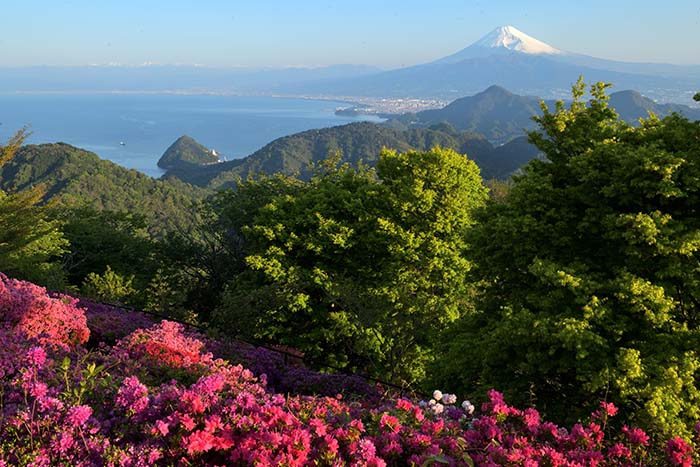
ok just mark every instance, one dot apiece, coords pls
pixel 165 344
pixel 67 405
pixel 28 308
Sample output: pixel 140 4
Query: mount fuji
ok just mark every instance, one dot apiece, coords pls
pixel 504 39
pixel 515 60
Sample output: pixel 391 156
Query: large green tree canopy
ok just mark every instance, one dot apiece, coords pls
pixel 590 272
pixel 357 269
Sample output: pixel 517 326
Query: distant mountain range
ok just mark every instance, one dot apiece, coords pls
pixel 508 39
pixel 500 115
pixel 174 78
pixel 506 57
pixel 489 127
pixel 510 58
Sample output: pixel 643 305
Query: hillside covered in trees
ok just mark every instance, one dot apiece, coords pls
pixel 501 115
pixel 571 290
pixel 355 142
pixel 74 177
pixel 186 150
pixel 489 127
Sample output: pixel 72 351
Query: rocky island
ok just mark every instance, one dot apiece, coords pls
pixel 185 150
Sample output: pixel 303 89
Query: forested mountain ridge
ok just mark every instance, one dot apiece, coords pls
pixel 501 115
pixel 75 177
pixel 355 141
pixel 482 126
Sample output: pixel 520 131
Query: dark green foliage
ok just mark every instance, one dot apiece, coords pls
pixel 590 273
pixel 196 264
pixel 75 178
pixel 356 272
pixel 507 159
pixel 31 244
pixel 102 240
pixel 109 220
pixel 185 152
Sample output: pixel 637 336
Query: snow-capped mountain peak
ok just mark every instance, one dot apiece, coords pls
pixel 504 39
pixel 511 38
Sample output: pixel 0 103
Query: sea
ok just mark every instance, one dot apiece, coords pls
pixel 133 130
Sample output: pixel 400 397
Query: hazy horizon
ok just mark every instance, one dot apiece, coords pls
pixel 276 34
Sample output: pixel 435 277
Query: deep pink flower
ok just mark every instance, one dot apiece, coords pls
pixel 78 415
pixel 318 426
pixel 37 390
pixel 199 441
pixel 679 452
pixel 532 418
pixel 188 422
pixel 609 408
pixel 154 455
pixel 404 404
pixel 50 404
pixel 619 450
pixel 228 417
pixel 636 435
pixel 132 395
pixel 213 423
pixel 65 442
pixel 162 427
pixel 390 423
pixel 36 356
pixel 165 344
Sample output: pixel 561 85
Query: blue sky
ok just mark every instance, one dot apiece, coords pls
pixel 278 33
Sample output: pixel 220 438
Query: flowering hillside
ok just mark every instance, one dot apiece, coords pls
pixel 157 395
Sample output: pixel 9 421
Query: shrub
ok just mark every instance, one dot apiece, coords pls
pixel 28 308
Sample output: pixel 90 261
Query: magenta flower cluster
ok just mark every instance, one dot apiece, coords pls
pixel 159 397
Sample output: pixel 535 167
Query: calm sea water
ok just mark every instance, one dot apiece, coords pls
pixel 147 124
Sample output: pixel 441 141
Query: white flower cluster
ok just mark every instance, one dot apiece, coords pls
pixel 437 404
pixel 450 399
pixel 468 407
pixel 435 407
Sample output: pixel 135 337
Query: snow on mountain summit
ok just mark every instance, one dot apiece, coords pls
pixel 504 39
pixel 512 38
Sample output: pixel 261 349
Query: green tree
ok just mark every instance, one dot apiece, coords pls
pixel 590 273
pixel 99 239
pixel 109 287
pixel 357 269
pixel 30 243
